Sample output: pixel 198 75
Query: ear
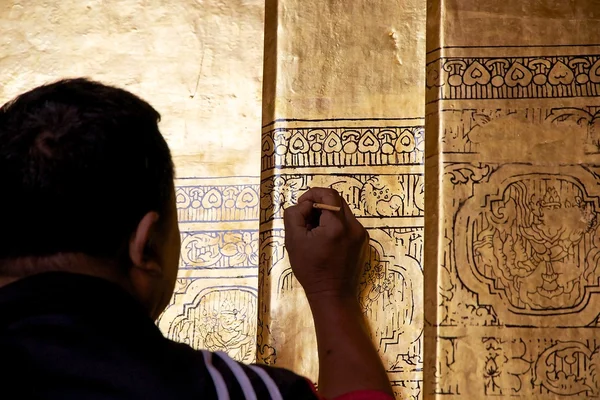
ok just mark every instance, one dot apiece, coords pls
pixel 140 245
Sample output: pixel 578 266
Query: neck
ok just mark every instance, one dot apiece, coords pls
pixel 16 269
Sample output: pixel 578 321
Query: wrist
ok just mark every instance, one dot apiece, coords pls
pixel 333 298
pixel 338 309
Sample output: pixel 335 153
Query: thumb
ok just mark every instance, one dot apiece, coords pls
pixel 297 217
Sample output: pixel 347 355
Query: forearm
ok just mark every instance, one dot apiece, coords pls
pixel 348 360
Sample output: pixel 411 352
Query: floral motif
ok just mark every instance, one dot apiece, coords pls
pixel 277 194
pixel 463 173
pixel 219 249
pixel 241 248
pixel 505 366
pixel 568 368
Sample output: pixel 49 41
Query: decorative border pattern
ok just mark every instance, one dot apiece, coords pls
pixel 219 249
pixel 214 305
pixel 522 363
pixel 342 146
pixel 527 77
pixel 519 367
pixel 217 203
pixel 368 195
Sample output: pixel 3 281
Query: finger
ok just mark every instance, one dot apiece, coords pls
pixel 297 216
pixel 322 195
pixel 348 214
pixel 334 223
pixel 331 228
pixel 326 196
pixel 333 218
pixel 352 223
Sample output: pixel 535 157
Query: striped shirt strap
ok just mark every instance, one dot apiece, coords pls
pixel 218 381
pixel 239 374
pixel 268 381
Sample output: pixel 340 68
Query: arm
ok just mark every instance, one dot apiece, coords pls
pixel 348 360
pixel 325 253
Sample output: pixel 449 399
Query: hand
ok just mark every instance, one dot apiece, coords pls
pixel 326 250
pixel 325 247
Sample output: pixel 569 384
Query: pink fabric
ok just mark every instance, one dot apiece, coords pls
pixel 358 395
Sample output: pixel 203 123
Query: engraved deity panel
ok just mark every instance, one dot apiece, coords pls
pixel 219 319
pixel 531 238
pixel 512 262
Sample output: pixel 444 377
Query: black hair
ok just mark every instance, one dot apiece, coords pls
pixel 80 164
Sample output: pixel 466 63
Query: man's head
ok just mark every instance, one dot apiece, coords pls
pixel 86 183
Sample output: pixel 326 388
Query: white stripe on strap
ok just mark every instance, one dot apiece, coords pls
pixel 240 375
pixel 220 386
pixel 268 381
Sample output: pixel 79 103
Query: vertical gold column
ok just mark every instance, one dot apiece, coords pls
pixel 512 266
pixel 343 107
pixel 200 64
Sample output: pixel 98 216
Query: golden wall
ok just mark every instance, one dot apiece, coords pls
pixel 512 171
pixel 504 303
pixel 200 64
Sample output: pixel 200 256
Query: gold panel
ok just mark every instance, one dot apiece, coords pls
pixel 513 164
pixel 200 64
pixel 343 107
pixel 333 59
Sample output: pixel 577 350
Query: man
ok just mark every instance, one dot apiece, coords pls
pixel 89 254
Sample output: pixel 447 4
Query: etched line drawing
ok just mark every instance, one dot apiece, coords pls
pixel 376 166
pixel 213 213
pixel 517 276
pixel 506 368
pixel 220 318
pixel 533 242
pixel 445 373
pixel 569 368
pixel 368 195
pixel 527 77
pixel 221 249
pixel 217 203
pixel 339 146
pixel 465 130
